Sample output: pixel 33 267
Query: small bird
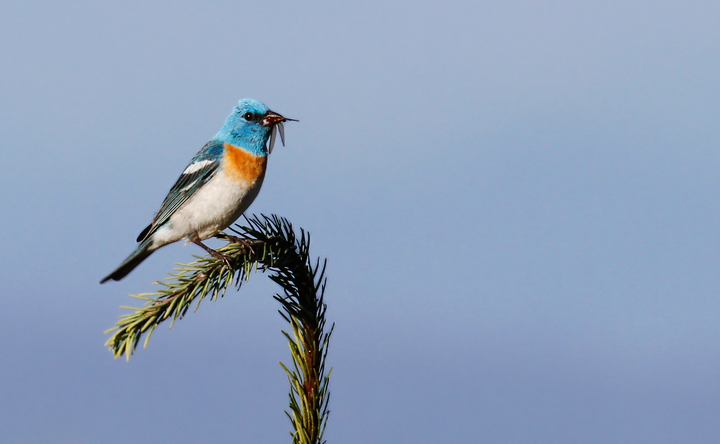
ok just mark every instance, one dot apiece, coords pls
pixel 218 185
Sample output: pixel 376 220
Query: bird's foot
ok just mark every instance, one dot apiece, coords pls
pixel 217 255
pixel 245 244
pixel 223 257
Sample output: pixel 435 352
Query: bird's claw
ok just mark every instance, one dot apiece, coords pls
pixel 245 244
pixel 223 257
pixel 216 254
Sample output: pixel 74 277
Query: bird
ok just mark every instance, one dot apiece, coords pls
pixel 216 187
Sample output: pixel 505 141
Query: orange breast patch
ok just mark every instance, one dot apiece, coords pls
pixel 242 165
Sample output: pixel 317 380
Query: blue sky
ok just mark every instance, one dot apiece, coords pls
pixel 517 199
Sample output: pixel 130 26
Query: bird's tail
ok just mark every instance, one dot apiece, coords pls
pixel 140 254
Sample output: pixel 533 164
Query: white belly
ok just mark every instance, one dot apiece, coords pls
pixel 210 210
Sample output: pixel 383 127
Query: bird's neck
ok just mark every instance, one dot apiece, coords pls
pixel 253 143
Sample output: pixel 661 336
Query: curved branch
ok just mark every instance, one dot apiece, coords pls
pixel 266 243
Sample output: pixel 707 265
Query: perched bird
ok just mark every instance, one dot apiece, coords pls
pixel 218 185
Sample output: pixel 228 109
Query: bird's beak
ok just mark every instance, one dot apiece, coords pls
pixel 271 118
pixel 276 121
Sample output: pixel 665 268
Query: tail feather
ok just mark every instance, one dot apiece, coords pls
pixel 132 261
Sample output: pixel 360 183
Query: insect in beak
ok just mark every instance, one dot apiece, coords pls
pixel 276 120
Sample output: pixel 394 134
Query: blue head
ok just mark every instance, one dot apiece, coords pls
pixel 249 126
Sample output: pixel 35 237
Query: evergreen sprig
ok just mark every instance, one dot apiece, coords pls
pixel 266 243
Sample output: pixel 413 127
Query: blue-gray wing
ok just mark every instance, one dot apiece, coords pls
pixel 196 174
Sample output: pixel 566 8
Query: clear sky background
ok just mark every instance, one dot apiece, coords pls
pixel 518 201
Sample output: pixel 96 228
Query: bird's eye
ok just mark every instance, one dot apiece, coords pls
pixel 249 116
